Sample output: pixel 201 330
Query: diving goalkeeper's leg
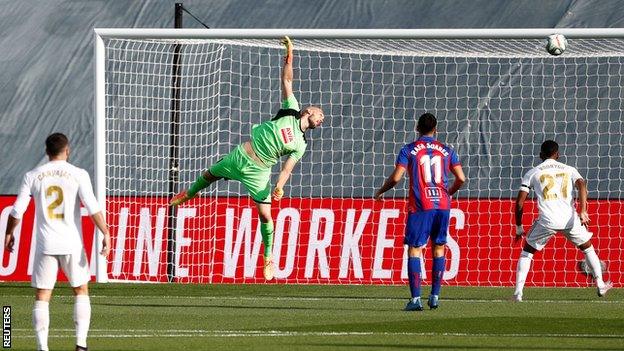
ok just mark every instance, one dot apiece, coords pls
pixel 266 229
pixel 203 181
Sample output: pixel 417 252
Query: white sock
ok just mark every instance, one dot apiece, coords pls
pixel 594 263
pixel 82 318
pixel 41 323
pixel 524 264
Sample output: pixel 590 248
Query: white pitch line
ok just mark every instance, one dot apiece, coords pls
pixel 304 298
pixel 104 333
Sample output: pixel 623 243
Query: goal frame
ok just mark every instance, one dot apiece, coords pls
pixel 100 34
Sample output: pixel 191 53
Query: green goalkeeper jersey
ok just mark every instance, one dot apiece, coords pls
pixel 280 136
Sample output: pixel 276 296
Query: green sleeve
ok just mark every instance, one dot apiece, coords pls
pixel 290 103
pixel 299 151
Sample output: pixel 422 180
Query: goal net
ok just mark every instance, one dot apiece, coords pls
pixel 496 101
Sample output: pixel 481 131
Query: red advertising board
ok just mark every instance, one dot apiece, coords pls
pixel 321 241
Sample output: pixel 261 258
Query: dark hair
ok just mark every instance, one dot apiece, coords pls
pixel 56 143
pixel 549 148
pixel 426 123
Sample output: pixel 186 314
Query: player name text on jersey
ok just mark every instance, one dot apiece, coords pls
pixel 437 147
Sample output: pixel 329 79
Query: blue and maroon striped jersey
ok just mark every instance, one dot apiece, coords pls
pixel 428 163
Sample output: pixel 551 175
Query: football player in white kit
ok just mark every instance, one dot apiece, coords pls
pixel 58 188
pixel 553 184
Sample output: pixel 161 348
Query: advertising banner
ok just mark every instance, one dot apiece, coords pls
pixel 320 241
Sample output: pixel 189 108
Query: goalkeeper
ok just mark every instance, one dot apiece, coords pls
pixel 251 162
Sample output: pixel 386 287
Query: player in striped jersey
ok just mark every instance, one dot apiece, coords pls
pixel 553 184
pixel 251 162
pixel 428 163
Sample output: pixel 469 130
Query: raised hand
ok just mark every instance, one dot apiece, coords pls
pixel 288 45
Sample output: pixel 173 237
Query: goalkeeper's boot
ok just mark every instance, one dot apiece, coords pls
pixel 81 348
pixel 433 302
pixel 414 304
pixel 180 198
pixel 602 290
pixel 268 270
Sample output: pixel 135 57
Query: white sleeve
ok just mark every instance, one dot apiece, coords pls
pixel 23 198
pixel 85 191
pixel 575 175
pixel 526 182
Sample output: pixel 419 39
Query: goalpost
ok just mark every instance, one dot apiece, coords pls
pixel 497 94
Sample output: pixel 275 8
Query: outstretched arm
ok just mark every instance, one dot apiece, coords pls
pixel 287 168
pixel 287 70
pixel 391 181
pixel 582 191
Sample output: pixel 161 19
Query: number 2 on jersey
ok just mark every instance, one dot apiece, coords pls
pixel 56 203
pixel 426 162
pixel 548 184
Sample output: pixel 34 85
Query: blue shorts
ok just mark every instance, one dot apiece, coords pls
pixel 424 224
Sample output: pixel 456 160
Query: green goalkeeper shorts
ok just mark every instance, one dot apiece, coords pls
pixel 237 165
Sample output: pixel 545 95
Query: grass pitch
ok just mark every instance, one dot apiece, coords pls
pixel 311 317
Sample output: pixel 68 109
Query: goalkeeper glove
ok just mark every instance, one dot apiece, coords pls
pixel 278 193
pixel 288 45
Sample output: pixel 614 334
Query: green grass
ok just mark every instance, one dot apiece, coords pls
pixel 293 317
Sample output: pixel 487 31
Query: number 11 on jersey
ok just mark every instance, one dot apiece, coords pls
pixel 427 163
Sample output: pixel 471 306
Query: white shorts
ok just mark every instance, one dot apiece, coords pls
pixel 539 235
pixel 45 270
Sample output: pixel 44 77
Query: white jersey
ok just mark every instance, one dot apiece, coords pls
pixel 57 187
pixel 553 183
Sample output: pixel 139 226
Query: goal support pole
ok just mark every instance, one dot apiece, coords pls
pixel 101 275
pixel 174 149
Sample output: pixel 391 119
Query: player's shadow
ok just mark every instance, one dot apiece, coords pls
pixel 343 297
pixel 590 298
pixel 359 346
pixel 256 307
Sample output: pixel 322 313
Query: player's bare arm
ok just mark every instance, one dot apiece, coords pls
pixel 287 70
pixel 581 185
pixel 98 219
pixel 284 175
pixel 522 196
pixel 460 179
pixel 9 238
pixel 391 181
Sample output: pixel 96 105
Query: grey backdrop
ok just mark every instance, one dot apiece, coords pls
pixel 47 82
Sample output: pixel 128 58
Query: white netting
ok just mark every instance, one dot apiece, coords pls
pixel 496 101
